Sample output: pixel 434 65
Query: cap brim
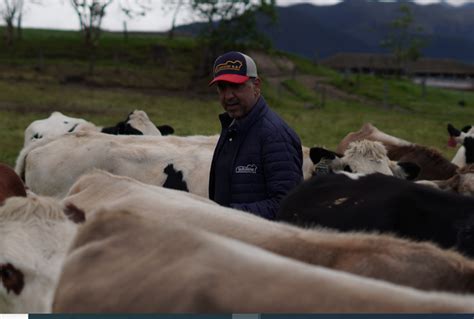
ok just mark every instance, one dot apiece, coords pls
pixel 232 78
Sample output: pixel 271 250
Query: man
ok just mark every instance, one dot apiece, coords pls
pixel 258 157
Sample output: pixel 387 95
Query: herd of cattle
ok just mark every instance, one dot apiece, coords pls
pixel 118 219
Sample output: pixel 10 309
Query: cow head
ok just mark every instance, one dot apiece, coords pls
pixel 35 233
pixel 138 123
pixel 465 137
pixel 457 136
pixel 362 157
pixel 55 125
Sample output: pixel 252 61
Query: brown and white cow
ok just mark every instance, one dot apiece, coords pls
pixel 433 165
pixel 420 265
pixel 123 261
pixel 35 233
pixel 10 183
pixel 362 156
pixel 370 132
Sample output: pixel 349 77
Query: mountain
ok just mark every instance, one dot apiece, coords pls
pixel 360 25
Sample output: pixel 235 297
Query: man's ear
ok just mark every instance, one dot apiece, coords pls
pixel 257 83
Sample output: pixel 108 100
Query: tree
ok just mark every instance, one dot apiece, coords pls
pixel 176 6
pixel 133 9
pixel 404 41
pixel 11 12
pixel 91 14
pixel 231 25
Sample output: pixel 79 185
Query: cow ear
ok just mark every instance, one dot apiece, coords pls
pixel 409 170
pixel 466 128
pixel 318 153
pixel 165 129
pixel 453 131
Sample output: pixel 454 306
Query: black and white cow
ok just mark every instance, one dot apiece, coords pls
pixel 57 124
pixel 464 137
pixel 381 203
pixel 49 167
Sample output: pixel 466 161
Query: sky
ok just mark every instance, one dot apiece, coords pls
pixel 58 14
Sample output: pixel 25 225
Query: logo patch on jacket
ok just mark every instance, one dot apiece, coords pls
pixel 248 169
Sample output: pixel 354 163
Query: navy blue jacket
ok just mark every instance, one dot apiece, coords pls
pixel 257 161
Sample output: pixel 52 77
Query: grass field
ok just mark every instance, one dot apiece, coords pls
pixel 127 77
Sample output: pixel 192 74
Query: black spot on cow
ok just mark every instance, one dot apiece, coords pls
pixel 11 278
pixel 469 146
pixel 165 129
pixel 174 179
pixel 121 128
pixel 74 214
pixel 317 153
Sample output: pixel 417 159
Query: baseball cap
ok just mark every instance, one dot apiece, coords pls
pixel 234 67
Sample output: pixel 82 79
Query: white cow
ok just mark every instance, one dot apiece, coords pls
pixel 58 124
pixel 50 167
pixel 123 261
pixel 371 255
pixel 35 233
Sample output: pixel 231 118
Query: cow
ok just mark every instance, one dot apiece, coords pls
pixel 50 167
pixel 125 262
pixel 464 137
pixel 35 233
pixel 377 202
pixel 462 182
pixel 370 132
pixel 420 265
pixel 433 165
pixel 363 156
pixel 10 183
pixel 57 124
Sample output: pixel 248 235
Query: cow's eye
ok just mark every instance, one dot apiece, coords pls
pixel 347 168
pixel 66 122
pixel 36 136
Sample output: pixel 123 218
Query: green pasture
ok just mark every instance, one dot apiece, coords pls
pixel 34 82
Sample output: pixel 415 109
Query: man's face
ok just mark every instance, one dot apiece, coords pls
pixel 238 99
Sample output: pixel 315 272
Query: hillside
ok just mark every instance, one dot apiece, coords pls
pixel 48 71
pixel 360 25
